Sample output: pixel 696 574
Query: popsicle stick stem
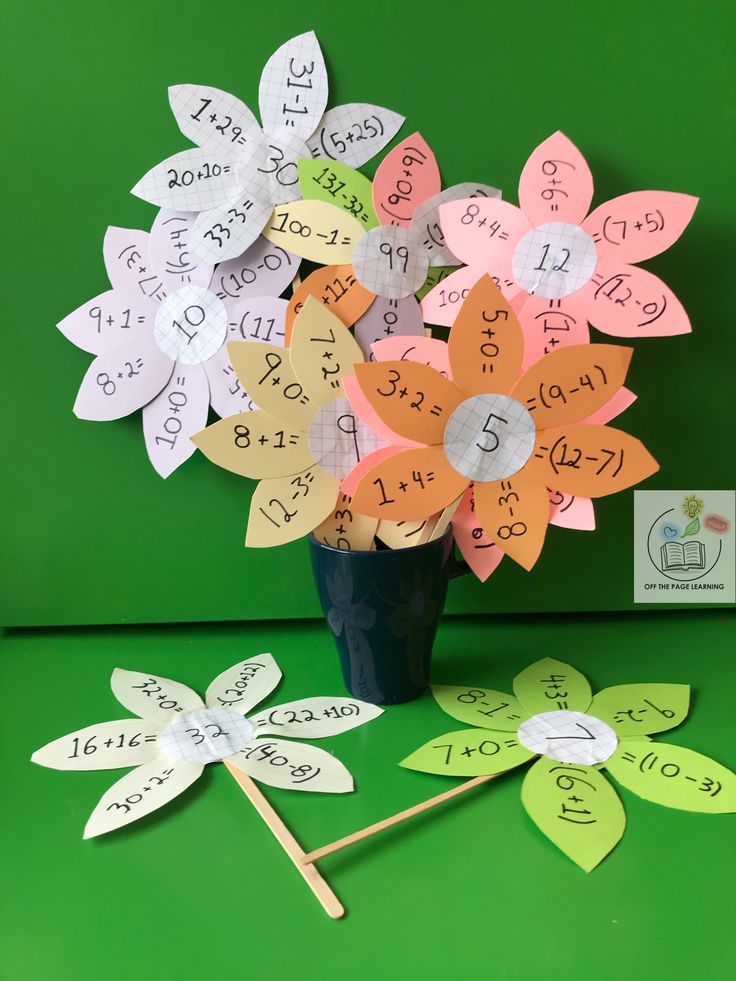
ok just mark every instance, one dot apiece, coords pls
pixel 389 822
pixel 329 901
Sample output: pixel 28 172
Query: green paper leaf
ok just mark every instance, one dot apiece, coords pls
pixel 631 710
pixel 435 275
pixel 480 706
pixel 468 753
pixel 549 685
pixel 576 808
pixel 338 184
pixel 692 529
pixel 674 777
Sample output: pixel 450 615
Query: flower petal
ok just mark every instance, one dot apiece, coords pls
pixel 314 718
pixel 228 230
pixel 483 707
pixel 139 793
pixel 451 754
pixel 631 710
pixel 427 402
pixel 549 324
pixel 385 319
pixel 486 344
pixel 548 685
pixel 264 370
pixel 368 415
pixel 674 777
pixel 355 132
pixel 178 412
pixel 349 483
pixel 435 275
pixel 213 119
pixel 283 509
pixel 412 484
pixel 122 379
pixel 572 382
pixel 338 184
pixel 590 461
pixel 443 302
pixel 264 269
pixel 258 318
pixel 293 766
pixel 425 223
pixel 476 547
pixel 227 395
pixel 627 301
pixel 483 232
pixel 151 697
pixel 322 352
pixel 424 350
pixel 568 511
pixel 170 253
pixel 130 742
pixel 576 808
pixel 515 513
pixel 241 687
pixel 292 94
pixel 406 177
pixel 617 404
pixel 125 252
pixel 107 320
pixel 345 528
pixel 556 183
pixel 338 289
pixel 315 230
pixel 639 225
pixel 192 180
pixel 254 444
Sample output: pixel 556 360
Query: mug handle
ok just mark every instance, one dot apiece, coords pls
pixel 458 567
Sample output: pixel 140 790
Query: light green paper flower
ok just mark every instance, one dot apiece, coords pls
pixel 554 715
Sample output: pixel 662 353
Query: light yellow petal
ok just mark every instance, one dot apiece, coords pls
pixel 314 230
pixel 265 373
pixel 255 444
pixel 322 351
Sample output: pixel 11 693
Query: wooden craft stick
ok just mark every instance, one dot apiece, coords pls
pixel 329 901
pixel 410 812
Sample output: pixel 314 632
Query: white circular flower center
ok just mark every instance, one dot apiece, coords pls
pixel 191 325
pixel 338 440
pixel 555 259
pixel 569 737
pixel 390 261
pixel 489 437
pixel 206 735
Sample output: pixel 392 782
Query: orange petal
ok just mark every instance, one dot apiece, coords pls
pixel 590 461
pixel 413 484
pixel 339 290
pixel 412 399
pixel 486 344
pixel 572 382
pixel 515 513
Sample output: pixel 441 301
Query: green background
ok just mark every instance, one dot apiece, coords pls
pixel 470 891
pixel 90 533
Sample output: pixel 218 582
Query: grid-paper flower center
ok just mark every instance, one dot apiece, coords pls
pixel 554 260
pixel 191 325
pixel 489 437
pixel 338 440
pixel 206 735
pixel 389 261
pixel 569 737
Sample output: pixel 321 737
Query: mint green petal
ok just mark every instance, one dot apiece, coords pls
pixel 338 184
pixel 576 808
pixel 468 753
pixel 674 777
pixel 435 275
pixel 633 710
pixel 549 685
pixel 480 706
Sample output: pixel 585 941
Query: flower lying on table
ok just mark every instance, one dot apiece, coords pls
pixel 176 733
pixel 554 715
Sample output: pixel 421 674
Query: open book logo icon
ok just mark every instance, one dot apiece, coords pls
pixel 682 555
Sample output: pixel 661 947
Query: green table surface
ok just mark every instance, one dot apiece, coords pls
pixel 470 890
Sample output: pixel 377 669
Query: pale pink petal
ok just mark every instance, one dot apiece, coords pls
pixel 478 550
pixel 365 411
pixel 264 269
pixel 627 301
pixel 425 350
pixel 549 324
pixel 442 304
pixel 125 251
pixel 574 513
pixel 178 412
pixel 385 318
pixel 349 484
pixel 556 183
pixel 169 250
pixel 107 320
pixel 639 225
pixel 405 177
pixel 425 224
pixel 227 395
pixel 122 379
pixel 483 232
pixel 623 398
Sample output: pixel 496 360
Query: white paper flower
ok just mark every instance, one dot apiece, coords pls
pixel 176 733
pixel 239 170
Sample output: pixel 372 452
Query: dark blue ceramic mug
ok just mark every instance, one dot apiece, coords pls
pixel 383 609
